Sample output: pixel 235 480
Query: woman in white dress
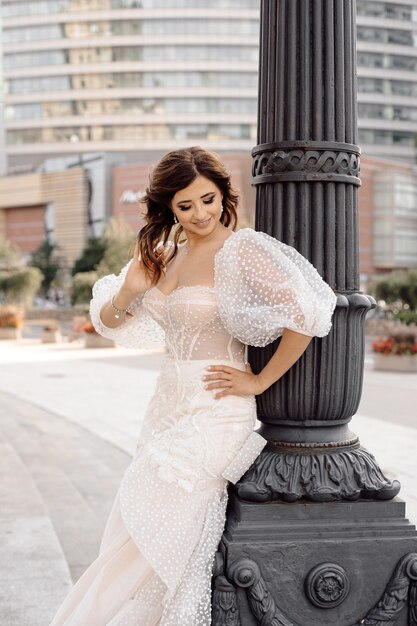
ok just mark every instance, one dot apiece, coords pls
pixel 205 299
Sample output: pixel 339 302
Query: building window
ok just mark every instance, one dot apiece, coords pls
pixel 216 132
pixel 386 137
pixel 385 35
pixel 385 10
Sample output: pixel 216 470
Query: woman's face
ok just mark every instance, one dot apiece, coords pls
pixel 198 207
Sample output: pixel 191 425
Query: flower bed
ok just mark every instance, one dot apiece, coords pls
pixel 396 353
pixel 11 322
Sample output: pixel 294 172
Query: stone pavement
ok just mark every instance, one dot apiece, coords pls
pixel 69 421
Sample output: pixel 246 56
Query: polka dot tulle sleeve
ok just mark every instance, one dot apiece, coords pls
pixel 264 286
pixel 139 331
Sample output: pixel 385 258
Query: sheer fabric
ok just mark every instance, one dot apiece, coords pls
pixel 160 540
pixel 141 331
pixel 261 286
pixel 264 286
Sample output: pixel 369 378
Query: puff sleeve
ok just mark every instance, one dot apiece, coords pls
pixel 264 286
pixel 139 331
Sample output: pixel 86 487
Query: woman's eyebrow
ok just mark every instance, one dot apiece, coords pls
pixel 206 194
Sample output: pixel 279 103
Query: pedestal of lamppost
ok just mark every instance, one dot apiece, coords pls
pixel 314 535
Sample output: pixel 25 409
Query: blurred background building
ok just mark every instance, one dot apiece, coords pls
pixel 128 75
pixel 149 75
pixel 387 78
pixel 95 91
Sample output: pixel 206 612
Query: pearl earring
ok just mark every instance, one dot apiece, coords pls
pixel 175 219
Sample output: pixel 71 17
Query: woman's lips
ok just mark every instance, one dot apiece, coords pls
pixel 202 224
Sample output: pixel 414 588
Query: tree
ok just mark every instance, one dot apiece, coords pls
pixel 18 283
pixel 10 254
pixel 46 259
pixel 399 286
pixel 82 285
pixel 18 286
pixel 90 256
pixel 399 290
pixel 119 239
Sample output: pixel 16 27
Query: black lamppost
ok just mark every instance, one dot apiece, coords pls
pixel 313 535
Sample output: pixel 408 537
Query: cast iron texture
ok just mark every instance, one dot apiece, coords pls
pixel 306 172
pixel 313 535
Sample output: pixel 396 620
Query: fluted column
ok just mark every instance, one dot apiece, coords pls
pixel 314 535
pixel 306 172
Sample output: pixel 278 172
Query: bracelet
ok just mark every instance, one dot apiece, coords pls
pixel 118 311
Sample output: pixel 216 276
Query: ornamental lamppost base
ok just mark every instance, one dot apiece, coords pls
pixel 318 579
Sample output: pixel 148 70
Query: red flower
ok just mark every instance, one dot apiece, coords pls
pixel 398 345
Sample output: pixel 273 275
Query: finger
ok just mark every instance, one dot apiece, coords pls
pixel 222 394
pixel 219 376
pixel 158 248
pixel 168 247
pixel 219 385
pixel 248 367
pixel 220 368
pixel 162 250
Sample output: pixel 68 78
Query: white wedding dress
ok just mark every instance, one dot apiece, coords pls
pixel 156 556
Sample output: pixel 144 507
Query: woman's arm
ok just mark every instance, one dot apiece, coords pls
pixel 135 284
pixel 291 347
pixel 231 381
pixel 122 300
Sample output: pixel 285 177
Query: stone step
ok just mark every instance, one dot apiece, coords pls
pixel 59 484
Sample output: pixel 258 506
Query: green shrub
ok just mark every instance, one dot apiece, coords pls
pixel 90 256
pixel 81 288
pixel 19 285
pixel 397 287
pixel 10 255
pixel 120 240
pixel 406 316
pixel 48 260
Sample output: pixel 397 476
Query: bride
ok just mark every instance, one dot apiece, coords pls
pixel 205 298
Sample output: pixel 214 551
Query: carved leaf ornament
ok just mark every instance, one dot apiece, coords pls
pixel 326 586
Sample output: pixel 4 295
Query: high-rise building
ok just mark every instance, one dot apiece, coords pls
pixel 150 75
pixel 128 75
pixel 387 78
pixel 136 78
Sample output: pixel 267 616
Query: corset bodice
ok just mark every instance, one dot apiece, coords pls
pixel 193 328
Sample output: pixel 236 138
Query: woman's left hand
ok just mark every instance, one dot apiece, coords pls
pixel 231 381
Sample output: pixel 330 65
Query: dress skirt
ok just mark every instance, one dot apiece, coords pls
pixel 156 556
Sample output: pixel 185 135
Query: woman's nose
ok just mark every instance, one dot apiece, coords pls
pixel 200 211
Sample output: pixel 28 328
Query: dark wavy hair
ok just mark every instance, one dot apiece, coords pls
pixel 175 171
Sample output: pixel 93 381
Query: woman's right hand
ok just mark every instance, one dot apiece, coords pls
pixel 137 279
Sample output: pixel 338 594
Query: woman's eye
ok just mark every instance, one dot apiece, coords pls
pixel 187 208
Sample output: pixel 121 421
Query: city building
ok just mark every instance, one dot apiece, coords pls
pixel 73 198
pixel 67 201
pixel 128 80
pixel 388 216
pixel 151 75
pixel 128 76
pixel 387 78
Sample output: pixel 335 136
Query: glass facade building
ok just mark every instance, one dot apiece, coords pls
pixel 129 75
pixel 387 78
pixel 151 75
pixel 395 220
